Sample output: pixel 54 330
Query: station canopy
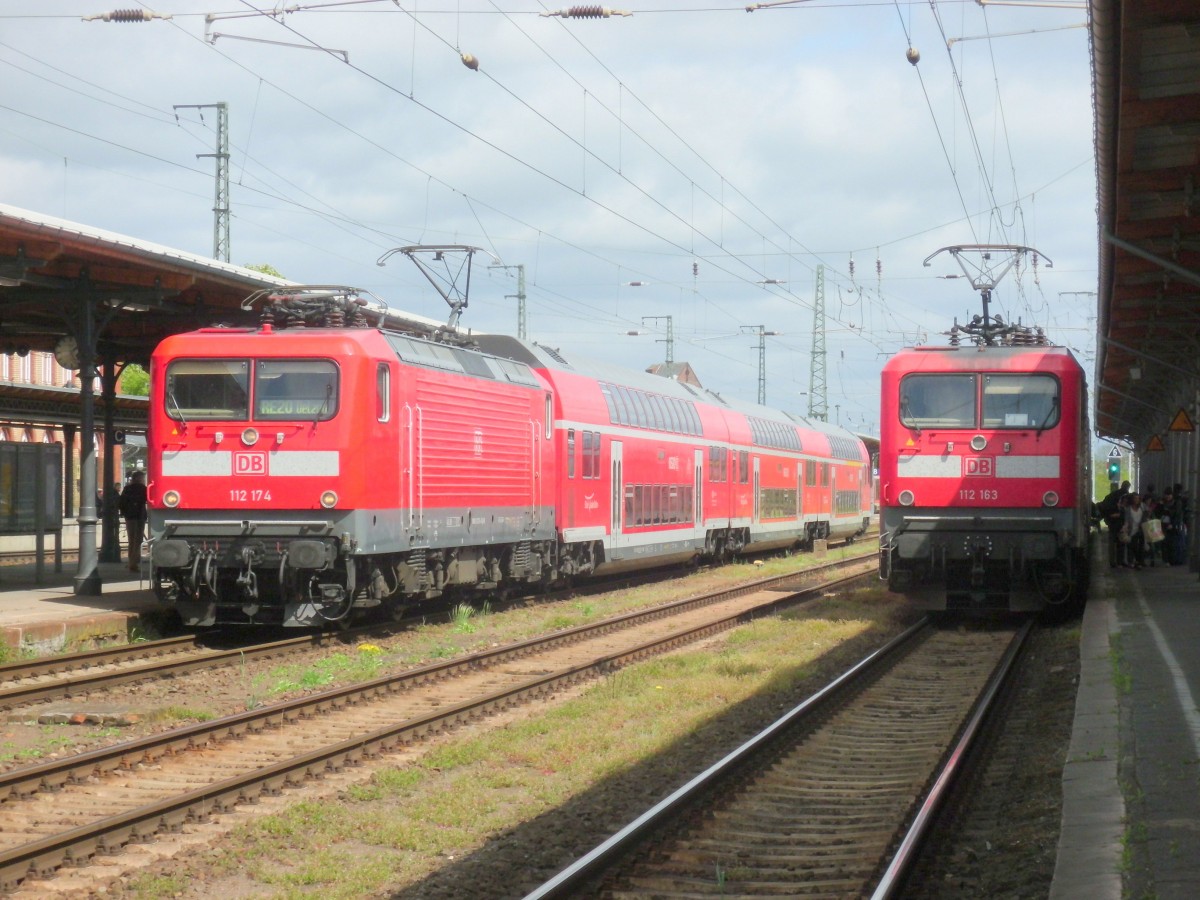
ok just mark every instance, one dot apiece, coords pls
pixel 1146 81
pixel 63 283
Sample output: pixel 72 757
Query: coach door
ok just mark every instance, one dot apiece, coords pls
pixel 698 493
pixel 757 505
pixel 618 489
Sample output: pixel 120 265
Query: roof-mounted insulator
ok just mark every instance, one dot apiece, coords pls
pixel 587 12
pixel 126 15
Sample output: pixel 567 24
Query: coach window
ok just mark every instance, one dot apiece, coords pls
pixel 810 472
pixel 383 392
pixel 641 409
pixel 661 415
pixel 549 416
pixel 570 452
pixel 208 389
pixel 631 408
pixel 591 454
pixel 1020 401
pixel 676 413
pixel 295 389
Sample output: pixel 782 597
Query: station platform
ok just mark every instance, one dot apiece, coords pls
pixel 48 617
pixel 1131 780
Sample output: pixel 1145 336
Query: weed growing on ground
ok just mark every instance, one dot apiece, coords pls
pixel 1121 675
pixel 460 618
pixel 362 665
pixel 180 714
pixel 143 632
pixel 49 742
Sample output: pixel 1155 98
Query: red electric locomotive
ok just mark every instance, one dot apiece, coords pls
pixel 301 474
pixel 984 475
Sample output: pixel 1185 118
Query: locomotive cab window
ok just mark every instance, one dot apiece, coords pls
pixel 208 389
pixel 1020 401
pixel 938 401
pixel 304 389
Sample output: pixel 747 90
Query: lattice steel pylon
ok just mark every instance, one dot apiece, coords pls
pixel 818 407
pixel 221 200
pixel 221 195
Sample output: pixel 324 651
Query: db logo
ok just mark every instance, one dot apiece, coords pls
pixel 980 465
pixel 245 463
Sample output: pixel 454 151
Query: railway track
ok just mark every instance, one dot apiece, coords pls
pixel 832 800
pixel 65 811
pixel 76 674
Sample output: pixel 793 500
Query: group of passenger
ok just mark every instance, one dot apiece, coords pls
pixel 1146 529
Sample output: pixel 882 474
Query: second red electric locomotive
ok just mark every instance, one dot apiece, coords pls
pixel 984 477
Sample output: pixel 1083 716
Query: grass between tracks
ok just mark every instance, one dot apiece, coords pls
pixel 659 718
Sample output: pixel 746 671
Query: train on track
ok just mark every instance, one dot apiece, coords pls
pixel 323 463
pixel 985 472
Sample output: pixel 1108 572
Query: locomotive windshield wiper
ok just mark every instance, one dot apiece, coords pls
pixel 906 415
pixel 324 404
pixel 178 409
pixel 1049 413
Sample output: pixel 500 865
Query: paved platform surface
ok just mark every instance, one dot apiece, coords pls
pixel 1131 784
pixel 47 616
pixel 1137 722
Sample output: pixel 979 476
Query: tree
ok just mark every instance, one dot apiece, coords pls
pixel 265 268
pixel 135 381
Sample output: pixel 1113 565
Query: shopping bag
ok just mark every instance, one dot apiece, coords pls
pixel 1152 531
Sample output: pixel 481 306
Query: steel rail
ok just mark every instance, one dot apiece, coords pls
pixel 72 685
pixel 906 856
pixel 53 665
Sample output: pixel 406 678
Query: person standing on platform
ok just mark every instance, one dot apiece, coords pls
pixel 1135 543
pixel 1169 513
pixel 133 509
pixel 1183 524
pixel 1112 512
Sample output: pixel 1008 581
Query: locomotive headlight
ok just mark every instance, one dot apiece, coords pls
pixel 979 442
pixel 171 499
pixel 329 499
pixel 250 437
pixel 906 498
pixel 1050 498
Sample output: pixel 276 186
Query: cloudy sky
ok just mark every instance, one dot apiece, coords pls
pixel 690 164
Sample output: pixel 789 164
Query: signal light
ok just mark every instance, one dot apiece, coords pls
pixel 1114 470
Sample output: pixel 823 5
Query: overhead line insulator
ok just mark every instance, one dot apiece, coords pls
pixel 587 12
pixel 125 15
